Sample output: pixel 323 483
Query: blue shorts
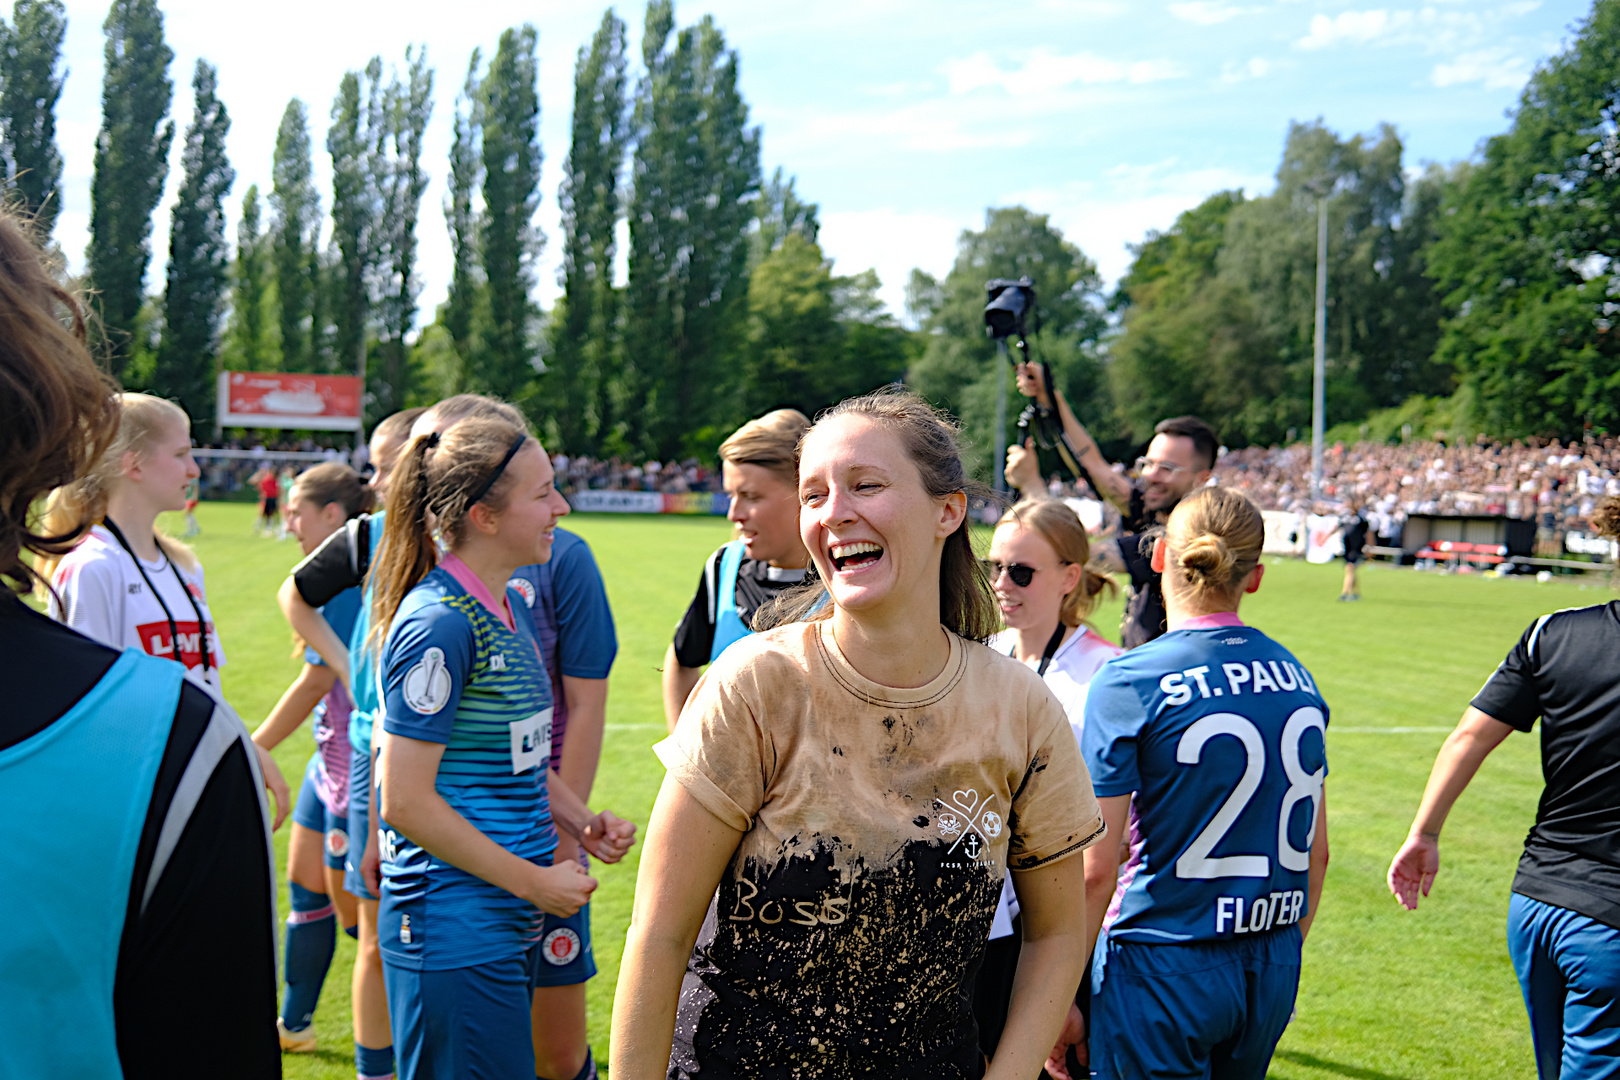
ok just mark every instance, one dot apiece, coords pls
pixel 359 821
pixel 563 956
pixel 314 815
pixel 1210 1009
pixel 467 1023
pixel 1569 969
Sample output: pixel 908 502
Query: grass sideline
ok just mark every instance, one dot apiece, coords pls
pixel 1385 995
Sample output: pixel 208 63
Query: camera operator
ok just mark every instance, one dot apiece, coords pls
pixel 1178 462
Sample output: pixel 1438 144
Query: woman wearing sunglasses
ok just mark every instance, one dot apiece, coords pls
pixel 1037 568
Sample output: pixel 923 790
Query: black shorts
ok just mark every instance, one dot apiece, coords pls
pixel 267 507
pixel 1353 557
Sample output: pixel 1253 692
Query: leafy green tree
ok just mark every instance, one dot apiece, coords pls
pixel 132 153
pixel 696 168
pixel 248 346
pixel 351 141
pixel 509 241
pixel 294 244
pixel 1528 239
pixel 199 258
pixel 956 369
pixel 585 323
pixel 30 55
pixel 781 212
pixel 407 107
pixel 461 310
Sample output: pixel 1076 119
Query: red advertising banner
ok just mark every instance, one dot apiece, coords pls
pixel 268 399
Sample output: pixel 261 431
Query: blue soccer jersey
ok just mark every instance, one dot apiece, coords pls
pixel 363 681
pixel 453 673
pixel 1219 732
pixel 572 620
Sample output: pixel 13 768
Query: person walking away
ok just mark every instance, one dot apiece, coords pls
pixel 574 626
pixel 845 794
pixel 1037 568
pixel 1354 528
pixel 320 500
pixel 1563 922
pixel 467 798
pixel 1179 461
pixel 268 485
pixel 136 845
pixel 1219 734
pixel 767 557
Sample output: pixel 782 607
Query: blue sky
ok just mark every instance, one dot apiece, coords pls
pixel 903 120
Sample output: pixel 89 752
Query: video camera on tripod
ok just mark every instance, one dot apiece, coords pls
pixel 1007 315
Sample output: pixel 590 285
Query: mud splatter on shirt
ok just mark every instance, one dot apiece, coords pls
pixel 878 824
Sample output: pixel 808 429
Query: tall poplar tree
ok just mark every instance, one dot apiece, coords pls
pixel 30 54
pixel 351 140
pixel 198 258
pixel 407 107
pixel 466 176
pixel 508 239
pixel 246 344
pixel 295 231
pixel 585 324
pixel 132 162
pixel 696 170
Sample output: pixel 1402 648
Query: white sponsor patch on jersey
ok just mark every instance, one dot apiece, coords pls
pixel 428 685
pixel 560 947
pixel 525 589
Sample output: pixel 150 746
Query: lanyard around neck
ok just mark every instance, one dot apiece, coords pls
pixel 1051 649
pixel 174 630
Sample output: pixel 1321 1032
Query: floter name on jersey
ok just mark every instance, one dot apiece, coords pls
pixel 1275 909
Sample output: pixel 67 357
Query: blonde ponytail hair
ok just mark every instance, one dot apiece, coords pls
pixel 1213 540
pixel 1058 524
pixel 77 506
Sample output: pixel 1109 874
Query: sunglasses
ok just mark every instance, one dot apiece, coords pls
pixel 1021 575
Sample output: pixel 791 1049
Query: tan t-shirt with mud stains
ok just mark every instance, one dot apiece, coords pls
pixel 878 826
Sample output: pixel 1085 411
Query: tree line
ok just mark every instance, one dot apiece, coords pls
pixel 1478 298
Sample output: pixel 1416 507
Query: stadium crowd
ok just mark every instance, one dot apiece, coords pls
pixel 616 474
pixel 1559 485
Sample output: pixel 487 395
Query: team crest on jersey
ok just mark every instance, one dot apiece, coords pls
pixel 560 947
pixel 525 589
pixel 428 684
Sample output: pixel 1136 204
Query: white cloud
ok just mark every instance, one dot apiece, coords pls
pixel 1353 27
pixel 1207 12
pixel 1258 67
pixel 1045 72
pixel 891 242
pixel 1498 69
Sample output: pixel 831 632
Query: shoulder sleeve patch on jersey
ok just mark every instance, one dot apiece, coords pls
pixel 428 685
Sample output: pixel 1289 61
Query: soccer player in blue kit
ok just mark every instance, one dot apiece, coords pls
pixel 466 804
pixel 1218 733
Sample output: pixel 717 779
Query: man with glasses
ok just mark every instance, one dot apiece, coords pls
pixel 1178 462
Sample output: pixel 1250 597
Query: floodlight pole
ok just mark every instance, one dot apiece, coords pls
pixel 999 480
pixel 1319 379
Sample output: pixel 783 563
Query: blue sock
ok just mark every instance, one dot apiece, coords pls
pixel 311 940
pixel 587 1071
pixel 372 1064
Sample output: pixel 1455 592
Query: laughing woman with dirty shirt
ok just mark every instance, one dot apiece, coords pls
pixel 856 783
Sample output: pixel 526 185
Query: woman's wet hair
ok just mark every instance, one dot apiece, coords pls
pixel 60 410
pixel 437 481
pixel 1056 523
pixel 932 442
pixel 1213 540
pixel 332 482
pixel 771 442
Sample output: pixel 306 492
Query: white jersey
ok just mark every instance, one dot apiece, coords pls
pixel 101 593
pixel 1068 676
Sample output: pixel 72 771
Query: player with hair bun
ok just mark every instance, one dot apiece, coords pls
pixel 1219 734
pixel 1563 924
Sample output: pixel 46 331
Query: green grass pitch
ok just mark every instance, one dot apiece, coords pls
pixel 1385 995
